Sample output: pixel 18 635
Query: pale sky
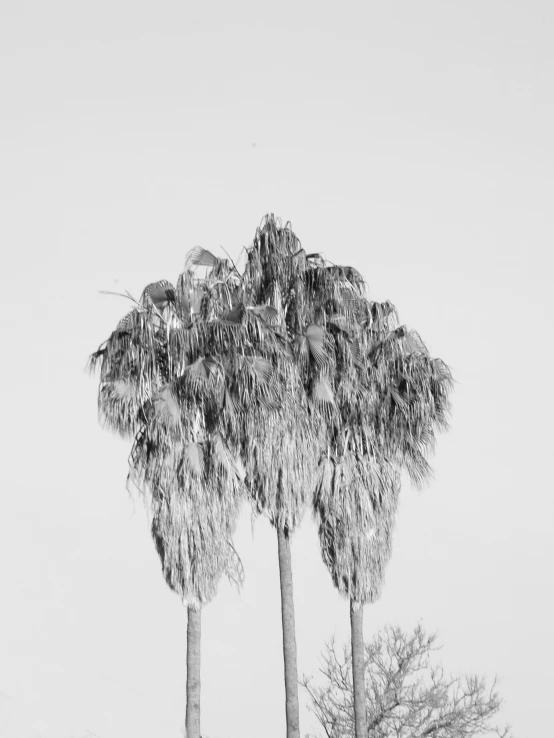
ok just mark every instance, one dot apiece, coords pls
pixel 412 140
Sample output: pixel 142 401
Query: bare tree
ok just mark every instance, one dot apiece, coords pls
pixel 407 695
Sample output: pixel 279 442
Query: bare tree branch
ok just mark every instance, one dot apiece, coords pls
pixel 408 695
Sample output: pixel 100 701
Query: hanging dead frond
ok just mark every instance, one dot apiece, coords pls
pixel 355 506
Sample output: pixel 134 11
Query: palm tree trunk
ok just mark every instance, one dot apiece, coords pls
pixel 289 637
pixel 358 668
pixel 192 721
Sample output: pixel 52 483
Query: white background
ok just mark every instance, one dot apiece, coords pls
pixel 412 140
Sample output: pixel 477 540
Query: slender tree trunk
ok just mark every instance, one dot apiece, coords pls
pixel 193 673
pixel 358 669
pixel 289 637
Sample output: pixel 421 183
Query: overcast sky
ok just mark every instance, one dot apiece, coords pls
pixel 412 140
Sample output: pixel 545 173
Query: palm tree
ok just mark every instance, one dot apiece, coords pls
pixel 162 381
pixel 281 447
pixel 390 397
pixel 194 493
pixel 282 450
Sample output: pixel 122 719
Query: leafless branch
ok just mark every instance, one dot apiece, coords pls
pixel 408 695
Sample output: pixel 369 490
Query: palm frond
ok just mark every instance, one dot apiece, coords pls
pixel 159 294
pixel 315 337
pixel 262 368
pixel 200 257
pixel 322 394
pixel 266 312
pixel 194 457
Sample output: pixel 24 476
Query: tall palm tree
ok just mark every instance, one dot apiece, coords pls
pixel 194 493
pixel 280 445
pixel 282 450
pixel 164 379
pixel 390 397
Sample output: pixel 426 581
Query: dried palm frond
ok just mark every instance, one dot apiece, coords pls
pixel 129 371
pixel 194 491
pixel 355 505
pixel 280 452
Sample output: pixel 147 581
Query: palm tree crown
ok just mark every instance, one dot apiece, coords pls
pixel 389 399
